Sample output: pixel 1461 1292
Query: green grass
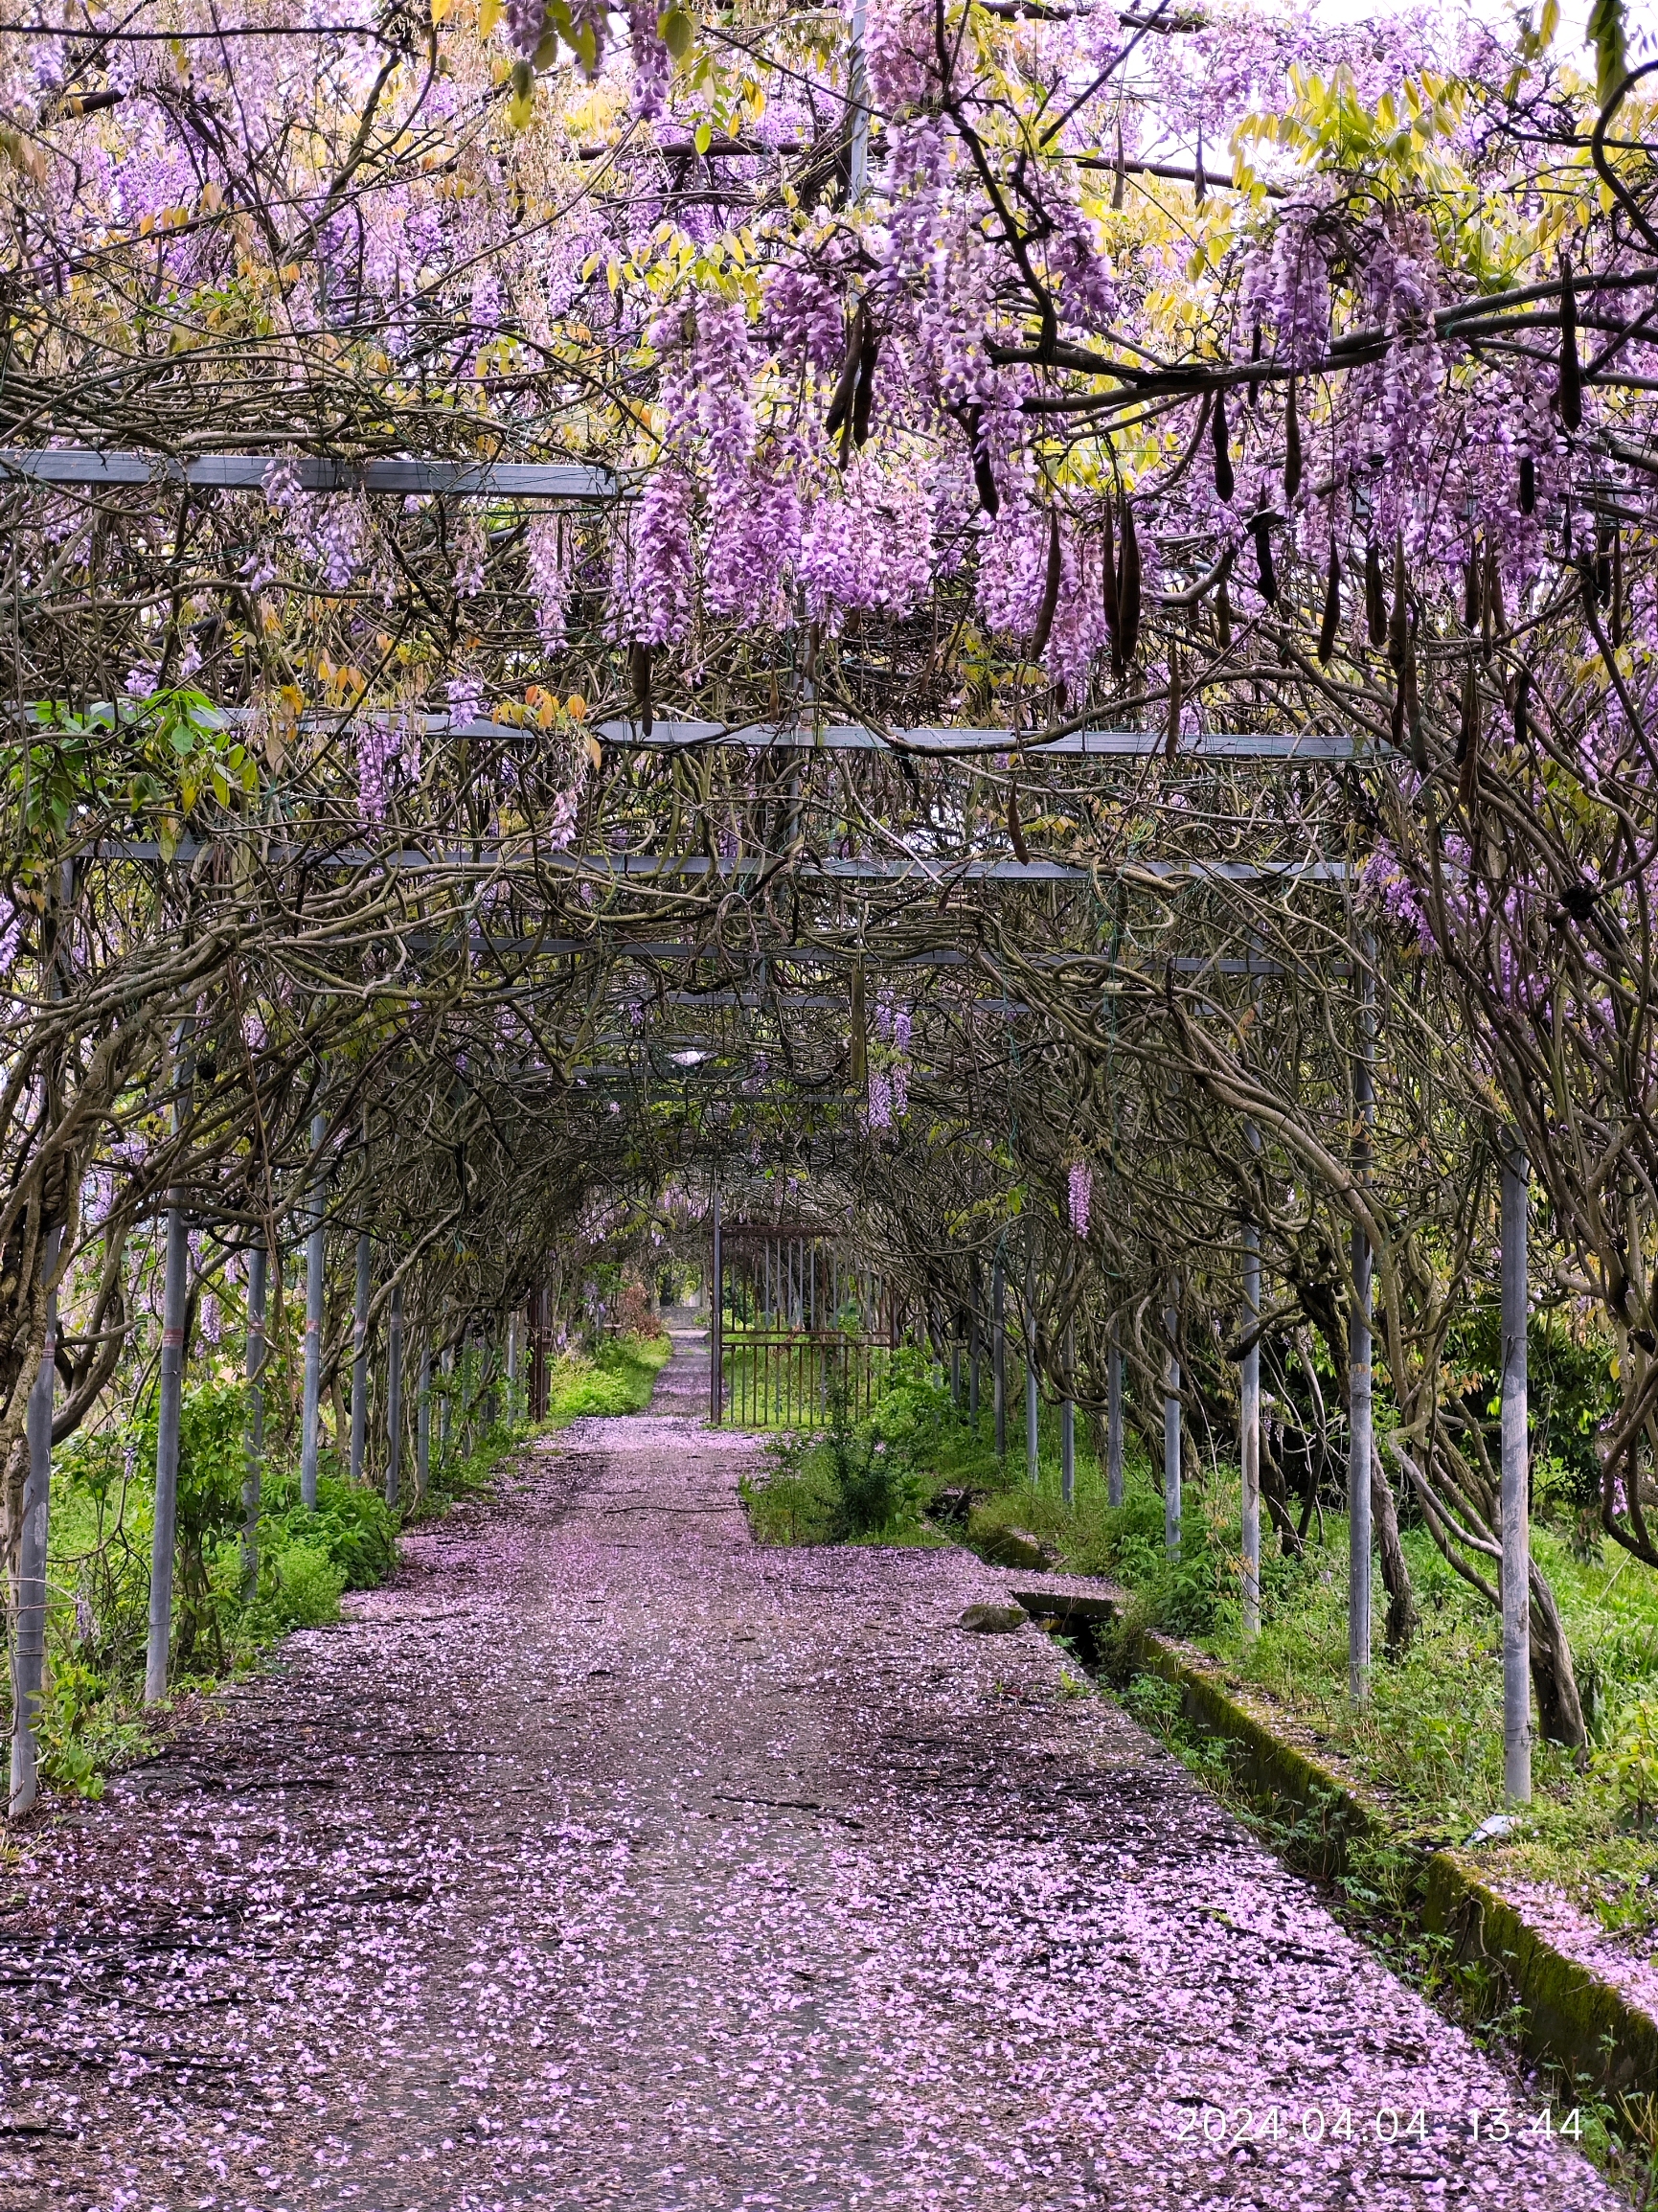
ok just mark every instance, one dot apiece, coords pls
pixel 619 1377
pixel 872 1480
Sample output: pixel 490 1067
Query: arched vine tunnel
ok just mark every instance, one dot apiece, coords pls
pixel 829 1234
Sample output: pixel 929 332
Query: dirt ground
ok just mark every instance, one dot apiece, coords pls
pixel 605 1861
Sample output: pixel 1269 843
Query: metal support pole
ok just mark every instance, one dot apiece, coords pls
pixel 445 1406
pixel 1033 1409
pixel 33 1536
pixel 1249 1443
pixel 1068 1420
pixel 999 1354
pixel 360 1355
pixel 29 1643
pixel 1114 1423
pixel 1516 1471
pixel 311 1415
pixel 1171 1428
pixel 395 1396
pixel 1359 1415
pixel 716 1329
pixel 858 88
pixel 423 1422
pixel 251 1479
pixel 973 1355
pixel 168 1398
pixel 1360 1423
pixel 513 1359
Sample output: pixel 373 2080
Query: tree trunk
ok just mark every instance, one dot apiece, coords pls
pixel 1560 1708
pixel 1402 1615
pixel 1277 1501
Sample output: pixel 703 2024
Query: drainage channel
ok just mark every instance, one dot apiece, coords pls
pixel 1075 1620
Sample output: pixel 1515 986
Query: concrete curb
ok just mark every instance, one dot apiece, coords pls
pixel 1568 2016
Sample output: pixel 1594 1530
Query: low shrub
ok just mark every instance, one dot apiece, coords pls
pixel 301 1589
pixel 353 1527
pixel 856 1483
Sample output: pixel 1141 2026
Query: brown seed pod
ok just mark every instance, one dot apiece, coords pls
pixel 1397 621
pixel 1225 483
pixel 1472 589
pixel 1527 485
pixel 1292 447
pixel 845 383
pixel 1571 385
pixel 984 475
pixel 1223 611
pixel 1376 605
pixel 1049 590
pixel 638 657
pixel 1468 742
pixel 1128 585
pixel 863 398
pixel 1468 715
pixel 1015 829
pixel 1172 739
pixel 1331 623
pixel 1523 706
pixel 1266 575
pixel 1413 705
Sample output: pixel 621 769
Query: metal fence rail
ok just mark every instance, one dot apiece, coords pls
pixel 796 1379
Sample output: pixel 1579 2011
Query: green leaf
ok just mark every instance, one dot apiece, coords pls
pixel 1611 56
pixel 704 138
pixel 676 30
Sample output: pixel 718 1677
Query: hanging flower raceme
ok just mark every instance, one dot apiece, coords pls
pixel 371 772
pixel 471 554
pixel 653 575
pixel 1082 1194
pixel 548 580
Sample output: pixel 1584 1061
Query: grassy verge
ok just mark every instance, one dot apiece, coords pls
pixel 1429 1744
pixel 618 1377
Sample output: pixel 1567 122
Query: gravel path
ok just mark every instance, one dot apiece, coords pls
pixel 602 1860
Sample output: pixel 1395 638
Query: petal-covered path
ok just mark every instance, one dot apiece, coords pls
pixel 605 1861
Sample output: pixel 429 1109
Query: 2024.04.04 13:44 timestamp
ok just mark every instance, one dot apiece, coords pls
pixel 1385 2124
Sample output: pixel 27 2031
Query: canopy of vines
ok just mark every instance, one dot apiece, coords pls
pixel 1091 679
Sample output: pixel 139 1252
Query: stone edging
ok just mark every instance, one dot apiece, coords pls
pixel 1569 2016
